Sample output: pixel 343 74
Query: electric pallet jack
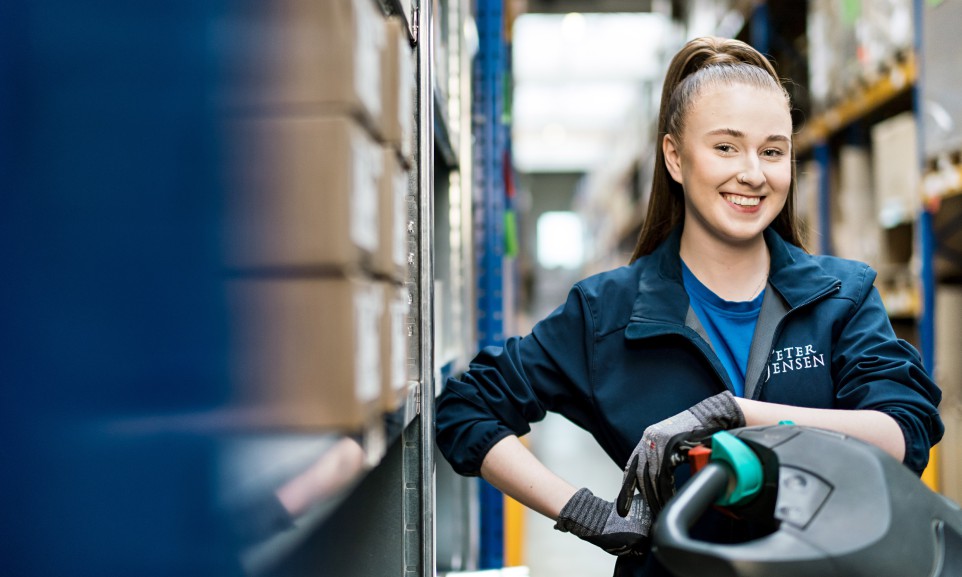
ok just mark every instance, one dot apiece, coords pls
pixel 832 505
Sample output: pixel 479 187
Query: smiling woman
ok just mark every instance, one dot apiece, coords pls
pixel 721 320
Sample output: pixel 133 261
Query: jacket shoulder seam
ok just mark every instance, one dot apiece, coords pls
pixel 590 326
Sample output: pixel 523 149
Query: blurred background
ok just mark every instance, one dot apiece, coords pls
pixel 245 242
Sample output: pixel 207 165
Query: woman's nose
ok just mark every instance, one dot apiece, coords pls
pixel 751 174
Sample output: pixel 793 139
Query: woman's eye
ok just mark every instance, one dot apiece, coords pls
pixel 773 152
pixel 726 148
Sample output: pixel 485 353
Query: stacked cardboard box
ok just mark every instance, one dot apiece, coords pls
pixel 853 235
pixel 948 374
pixel 895 169
pixel 317 219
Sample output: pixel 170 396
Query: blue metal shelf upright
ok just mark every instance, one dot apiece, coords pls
pixel 491 135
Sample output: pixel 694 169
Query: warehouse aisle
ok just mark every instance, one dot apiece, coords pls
pixel 575 456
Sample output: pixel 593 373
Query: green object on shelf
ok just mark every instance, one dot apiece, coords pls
pixel 745 467
pixel 786 422
pixel 851 11
pixel 510 233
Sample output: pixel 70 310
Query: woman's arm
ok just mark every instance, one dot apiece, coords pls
pixel 514 470
pixel 871 426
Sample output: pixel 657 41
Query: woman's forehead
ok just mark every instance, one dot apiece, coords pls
pixel 749 105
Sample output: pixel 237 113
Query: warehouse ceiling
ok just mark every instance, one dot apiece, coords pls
pixel 578 77
pixel 586 72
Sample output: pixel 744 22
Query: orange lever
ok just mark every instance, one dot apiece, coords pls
pixel 698 457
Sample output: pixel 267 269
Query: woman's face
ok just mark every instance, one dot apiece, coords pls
pixel 734 162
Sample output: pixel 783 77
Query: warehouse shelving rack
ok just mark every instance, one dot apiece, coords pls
pixel 121 456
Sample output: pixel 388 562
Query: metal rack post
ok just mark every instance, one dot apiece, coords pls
pixel 489 204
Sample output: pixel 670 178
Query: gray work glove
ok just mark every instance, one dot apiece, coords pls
pixel 651 468
pixel 595 520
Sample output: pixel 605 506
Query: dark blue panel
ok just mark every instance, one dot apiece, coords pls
pixel 112 301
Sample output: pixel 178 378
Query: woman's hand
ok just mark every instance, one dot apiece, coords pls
pixel 594 520
pixel 649 469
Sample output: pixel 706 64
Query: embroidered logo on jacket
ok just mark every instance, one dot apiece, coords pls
pixel 790 359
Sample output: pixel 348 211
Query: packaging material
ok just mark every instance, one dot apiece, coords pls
pixel 304 193
pixel 853 235
pixel 399 88
pixel 394 347
pixel 883 31
pixel 895 169
pixel 942 78
pixel 832 61
pixel 852 44
pixel 306 55
pixel 391 259
pixel 306 352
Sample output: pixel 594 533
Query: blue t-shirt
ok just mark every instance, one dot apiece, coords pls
pixel 730 325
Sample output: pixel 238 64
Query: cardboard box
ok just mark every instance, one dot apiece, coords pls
pixel 306 56
pixel 948 343
pixel 304 192
pixel 394 348
pixel 306 353
pixel 950 454
pixel 391 260
pixel 853 235
pixel 399 86
pixel 807 204
pixel 895 169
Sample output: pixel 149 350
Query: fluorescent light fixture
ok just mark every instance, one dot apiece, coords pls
pixel 578 80
pixel 560 240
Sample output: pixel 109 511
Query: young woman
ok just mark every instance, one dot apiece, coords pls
pixel 721 320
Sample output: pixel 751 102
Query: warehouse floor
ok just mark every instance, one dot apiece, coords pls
pixel 576 457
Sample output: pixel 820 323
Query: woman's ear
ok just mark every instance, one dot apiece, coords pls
pixel 672 152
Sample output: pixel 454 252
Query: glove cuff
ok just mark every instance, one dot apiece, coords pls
pixel 720 410
pixel 584 514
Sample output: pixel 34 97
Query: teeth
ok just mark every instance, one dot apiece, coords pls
pixel 743 200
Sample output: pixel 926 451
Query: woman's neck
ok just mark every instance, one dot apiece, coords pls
pixel 733 272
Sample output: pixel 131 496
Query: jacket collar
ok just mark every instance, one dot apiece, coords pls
pixel 662 304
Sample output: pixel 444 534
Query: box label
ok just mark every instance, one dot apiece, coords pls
pixel 367 317
pixel 367 64
pixel 368 168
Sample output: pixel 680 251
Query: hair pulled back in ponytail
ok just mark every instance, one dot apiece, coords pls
pixel 701 63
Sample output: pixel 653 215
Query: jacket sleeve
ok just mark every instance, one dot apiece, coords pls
pixel 877 370
pixel 507 388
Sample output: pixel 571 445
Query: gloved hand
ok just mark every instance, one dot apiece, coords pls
pixel 650 468
pixel 594 520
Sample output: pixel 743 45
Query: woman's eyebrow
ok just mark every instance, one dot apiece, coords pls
pixel 734 133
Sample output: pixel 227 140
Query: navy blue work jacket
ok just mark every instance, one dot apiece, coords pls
pixel 625 352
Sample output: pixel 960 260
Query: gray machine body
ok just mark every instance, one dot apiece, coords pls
pixel 837 507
